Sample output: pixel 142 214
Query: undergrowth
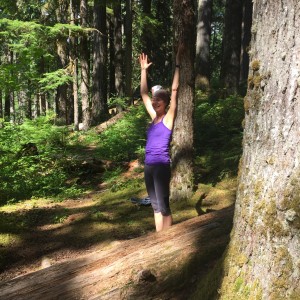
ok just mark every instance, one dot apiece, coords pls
pixel 39 159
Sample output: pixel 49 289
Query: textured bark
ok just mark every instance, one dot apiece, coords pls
pixel 246 38
pixel 42 95
pixel 74 64
pixel 7 105
pixel 183 135
pixel 230 68
pixel 146 37
pixel 128 49
pixel 203 44
pixel 263 257
pixel 1 106
pixel 61 100
pixel 119 83
pixel 84 58
pixel 172 258
pixel 99 90
pixel 111 56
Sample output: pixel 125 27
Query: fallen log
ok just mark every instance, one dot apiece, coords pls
pixel 148 267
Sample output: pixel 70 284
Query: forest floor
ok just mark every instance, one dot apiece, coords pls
pixel 41 232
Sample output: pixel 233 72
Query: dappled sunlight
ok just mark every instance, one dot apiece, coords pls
pixel 8 239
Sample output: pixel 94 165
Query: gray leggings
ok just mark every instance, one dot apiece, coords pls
pixel 157 180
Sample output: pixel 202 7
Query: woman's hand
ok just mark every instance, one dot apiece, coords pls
pixel 144 62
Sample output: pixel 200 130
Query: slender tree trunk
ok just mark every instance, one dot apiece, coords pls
pixel 263 257
pixel 1 103
pixel 74 63
pixel 62 95
pixel 203 44
pixel 128 49
pixel 146 38
pixel 7 106
pixel 161 49
pixel 99 90
pixel 111 60
pixel 28 112
pixel 246 38
pixel 42 96
pixel 119 82
pixel 1 106
pixel 182 144
pixel 84 61
pixel 22 105
pixel 230 67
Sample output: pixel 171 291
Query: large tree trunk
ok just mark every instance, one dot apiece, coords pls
pixel 84 61
pixel 246 38
pixel 155 266
pixel 263 257
pixel 182 144
pixel 74 66
pixel 230 68
pixel 99 90
pixel 61 99
pixel 111 56
pixel 128 49
pixel 146 36
pixel 118 55
pixel 203 44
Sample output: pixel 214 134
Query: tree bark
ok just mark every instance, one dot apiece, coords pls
pixel 182 143
pixel 1 106
pixel 263 257
pixel 155 266
pixel 7 105
pixel 146 37
pixel 99 90
pixel 61 99
pixel 128 49
pixel 246 38
pixel 74 66
pixel 203 44
pixel 230 67
pixel 111 56
pixel 119 82
pixel 84 61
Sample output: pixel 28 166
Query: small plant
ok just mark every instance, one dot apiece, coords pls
pixel 60 218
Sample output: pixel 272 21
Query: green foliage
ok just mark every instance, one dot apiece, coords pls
pixel 52 80
pixel 39 173
pixel 218 135
pixel 118 102
pixel 121 141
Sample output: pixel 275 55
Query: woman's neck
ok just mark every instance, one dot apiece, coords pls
pixel 158 118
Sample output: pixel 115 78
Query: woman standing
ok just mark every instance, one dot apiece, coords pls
pixel 159 134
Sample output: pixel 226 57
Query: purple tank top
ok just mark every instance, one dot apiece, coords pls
pixel 158 142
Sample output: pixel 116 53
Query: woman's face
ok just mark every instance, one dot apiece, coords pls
pixel 159 105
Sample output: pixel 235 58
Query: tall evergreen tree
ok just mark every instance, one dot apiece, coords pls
pixel 99 87
pixel 262 261
pixel 118 50
pixel 246 38
pixel 128 49
pixel 61 44
pixel 84 62
pixel 74 66
pixel 230 67
pixel 203 44
pixel 182 144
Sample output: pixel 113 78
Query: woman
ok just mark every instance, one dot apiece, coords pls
pixel 159 134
